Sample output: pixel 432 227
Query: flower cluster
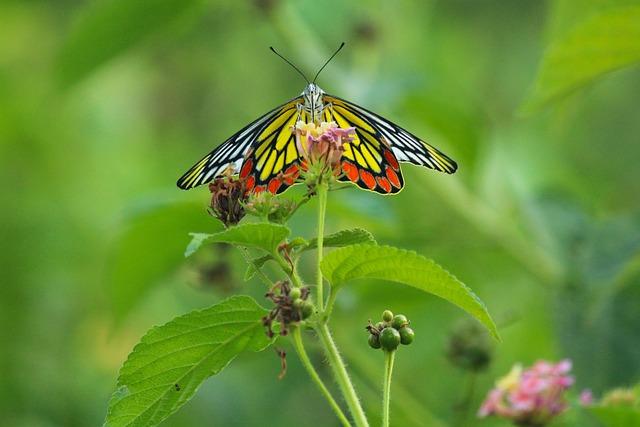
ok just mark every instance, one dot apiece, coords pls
pixel 532 396
pixel 321 146
pixel 268 206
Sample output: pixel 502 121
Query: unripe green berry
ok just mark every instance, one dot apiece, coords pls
pixel 307 309
pixel 389 339
pixel 298 303
pixel 294 293
pixel 387 315
pixel 380 326
pixel 399 321
pixel 374 341
pixel 406 335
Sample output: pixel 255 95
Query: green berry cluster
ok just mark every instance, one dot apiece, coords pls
pixel 390 332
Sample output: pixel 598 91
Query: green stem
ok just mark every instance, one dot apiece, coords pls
pixel 322 208
pixel 342 378
pixel 389 357
pixel 304 358
pixel 333 293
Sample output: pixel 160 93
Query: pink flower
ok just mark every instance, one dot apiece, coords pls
pixel 322 145
pixel 586 398
pixel 531 396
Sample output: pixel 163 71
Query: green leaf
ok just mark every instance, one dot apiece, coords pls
pixel 342 238
pixel 398 265
pixel 158 232
pixel 616 416
pixel 603 43
pixel 171 361
pixel 106 28
pixel 258 262
pixel 263 236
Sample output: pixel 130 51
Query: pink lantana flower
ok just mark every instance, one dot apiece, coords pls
pixel 532 396
pixel 322 145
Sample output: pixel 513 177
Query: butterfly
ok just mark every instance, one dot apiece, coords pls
pixel 265 156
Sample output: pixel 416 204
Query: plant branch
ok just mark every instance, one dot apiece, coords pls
pixel 306 362
pixel 342 378
pixel 322 208
pixel 389 357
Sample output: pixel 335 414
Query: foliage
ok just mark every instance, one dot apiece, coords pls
pixel 171 361
pixel 104 103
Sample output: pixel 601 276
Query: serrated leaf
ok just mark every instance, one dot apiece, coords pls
pixel 159 233
pixel 402 266
pixel 616 416
pixel 106 28
pixel 171 361
pixel 603 43
pixel 263 236
pixel 343 238
pixel 258 263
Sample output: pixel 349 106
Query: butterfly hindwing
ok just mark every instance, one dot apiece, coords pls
pixel 367 160
pixel 258 152
pixel 379 146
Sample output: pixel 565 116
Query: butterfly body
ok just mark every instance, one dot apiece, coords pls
pixel 313 103
pixel 265 155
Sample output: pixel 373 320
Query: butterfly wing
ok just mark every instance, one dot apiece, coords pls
pixel 262 152
pixel 371 159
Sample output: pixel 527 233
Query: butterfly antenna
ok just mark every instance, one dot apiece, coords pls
pixel 328 60
pixel 289 62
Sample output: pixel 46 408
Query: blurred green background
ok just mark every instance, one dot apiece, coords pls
pixel 104 104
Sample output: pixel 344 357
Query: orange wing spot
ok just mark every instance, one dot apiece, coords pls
pixel 350 171
pixel 384 183
pixel 259 189
pixel 274 185
pixel 303 165
pixel 391 159
pixel 250 183
pixel 368 179
pixel 246 169
pixel 393 178
pixel 291 174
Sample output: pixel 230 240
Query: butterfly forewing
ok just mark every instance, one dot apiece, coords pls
pixel 259 152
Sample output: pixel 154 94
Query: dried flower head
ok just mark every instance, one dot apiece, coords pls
pixel 532 396
pixel 227 197
pixel 291 307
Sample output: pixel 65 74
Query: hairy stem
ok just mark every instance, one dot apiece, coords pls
pixel 322 208
pixel 389 357
pixel 333 293
pixel 342 378
pixel 304 358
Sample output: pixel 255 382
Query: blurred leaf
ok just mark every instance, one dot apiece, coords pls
pixel 159 234
pixel 263 236
pixel 171 361
pixel 601 44
pixel 616 416
pixel 344 238
pixel 402 266
pixel 106 28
